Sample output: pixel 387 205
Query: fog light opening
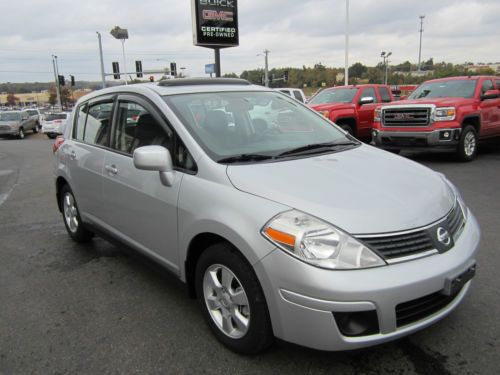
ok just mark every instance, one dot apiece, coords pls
pixel 359 323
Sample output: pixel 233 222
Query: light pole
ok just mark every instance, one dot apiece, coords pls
pixel 346 68
pixel 56 77
pixel 420 47
pixel 266 66
pixel 385 57
pixel 103 79
pixel 122 34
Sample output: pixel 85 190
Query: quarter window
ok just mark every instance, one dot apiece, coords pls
pixel 297 96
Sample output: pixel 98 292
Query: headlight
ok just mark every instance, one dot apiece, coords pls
pixel 318 243
pixel 14 126
pixel 444 114
pixel 378 115
pixel 325 114
pixel 458 196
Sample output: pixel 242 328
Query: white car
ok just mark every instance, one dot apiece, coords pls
pixel 294 93
pixel 53 124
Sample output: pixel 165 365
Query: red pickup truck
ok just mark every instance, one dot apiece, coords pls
pixel 447 114
pixel 352 107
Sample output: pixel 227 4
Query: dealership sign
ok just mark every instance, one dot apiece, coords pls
pixel 215 23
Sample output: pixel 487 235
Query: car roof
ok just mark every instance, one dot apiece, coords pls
pixel 188 86
pixel 460 78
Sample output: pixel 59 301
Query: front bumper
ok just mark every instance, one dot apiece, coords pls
pixel 302 299
pixel 4 132
pixel 446 138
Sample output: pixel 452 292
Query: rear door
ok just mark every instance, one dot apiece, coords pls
pixel 140 209
pixel 85 156
pixel 489 110
pixel 366 112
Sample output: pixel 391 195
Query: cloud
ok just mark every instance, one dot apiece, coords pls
pixel 297 33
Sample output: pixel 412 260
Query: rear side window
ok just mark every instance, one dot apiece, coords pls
pixel 498 84
pixel 286 92
pixel 297 96
pixel 384 94
pixel 94 122
pixel 487 85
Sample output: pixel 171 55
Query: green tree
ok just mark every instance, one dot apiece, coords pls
pixel 357 70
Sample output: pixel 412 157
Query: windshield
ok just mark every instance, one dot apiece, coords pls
pixel 55 116
pixel 335 96
pixel 447 89
pixel 32 112
pixel 10 116
pixel 228 124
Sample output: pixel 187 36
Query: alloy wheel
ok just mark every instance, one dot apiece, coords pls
pixel 226 301
pixel 70 212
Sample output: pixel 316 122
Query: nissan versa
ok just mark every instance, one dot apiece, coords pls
pixel 281 224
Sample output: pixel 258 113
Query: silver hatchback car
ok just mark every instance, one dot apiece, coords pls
pixel 281 224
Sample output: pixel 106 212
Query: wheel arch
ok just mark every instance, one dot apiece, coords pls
pixel 60 182
pixel 351 121
pixel 198 244
pixel 473 120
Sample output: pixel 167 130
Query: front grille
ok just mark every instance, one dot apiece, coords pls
pixel 455 221
pixel 420 308
pixel 4 127
pixel 406 116
pixel 398 247
pixel 401 245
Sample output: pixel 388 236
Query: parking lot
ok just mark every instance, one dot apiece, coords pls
pixel 97 308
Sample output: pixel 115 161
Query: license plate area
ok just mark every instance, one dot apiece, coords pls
pixel 453 284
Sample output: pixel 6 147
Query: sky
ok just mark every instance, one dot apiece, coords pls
pixel 297 33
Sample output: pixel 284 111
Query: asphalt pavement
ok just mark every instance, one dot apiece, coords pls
pixel 67 308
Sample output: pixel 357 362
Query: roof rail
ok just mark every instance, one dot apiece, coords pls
pixel 203 81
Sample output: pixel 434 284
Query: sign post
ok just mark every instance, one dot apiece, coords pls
pixel 215 25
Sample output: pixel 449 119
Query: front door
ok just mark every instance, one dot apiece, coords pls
pixel 140 209
pixel 366 112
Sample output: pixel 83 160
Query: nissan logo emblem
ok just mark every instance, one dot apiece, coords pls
pixel 443 236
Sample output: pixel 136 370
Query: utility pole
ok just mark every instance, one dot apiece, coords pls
pixel 56 77
pixel 103 79
pixel 346 68
pixel 266 68
pixel 420 47
pixel 385 57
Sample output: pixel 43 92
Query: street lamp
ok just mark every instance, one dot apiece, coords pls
pixel 121 34
pixel 385 57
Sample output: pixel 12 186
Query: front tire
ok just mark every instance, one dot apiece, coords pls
pixel 71 216
pixel 21 133
pixel 467 145
pixel 232 300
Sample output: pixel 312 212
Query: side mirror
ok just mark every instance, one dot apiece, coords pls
pixel 155 158
pixel 366 100
pixel 490 94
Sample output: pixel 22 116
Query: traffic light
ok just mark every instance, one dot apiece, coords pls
pixel 151 78
pixel 116 70
pixel 138 69
pixel 285 76
pixel 72 80
pixel 173 69
pixel 61 80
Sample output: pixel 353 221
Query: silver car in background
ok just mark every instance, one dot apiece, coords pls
pixel 54 124
pixel 16 123
pixel 281 226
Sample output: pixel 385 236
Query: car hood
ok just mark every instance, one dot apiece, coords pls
pixel 331 106
pixel 440 102
pixel 362 190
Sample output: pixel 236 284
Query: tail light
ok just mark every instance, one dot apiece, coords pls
pixel 59 141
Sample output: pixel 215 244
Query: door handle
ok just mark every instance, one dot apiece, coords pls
pixel 112 170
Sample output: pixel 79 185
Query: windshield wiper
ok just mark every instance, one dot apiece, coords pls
pixel 318 146
pixel 244 158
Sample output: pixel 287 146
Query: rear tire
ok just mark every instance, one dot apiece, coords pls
pixel 232 301
pixel 71 217
pixel 467 145
pixel 35 129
